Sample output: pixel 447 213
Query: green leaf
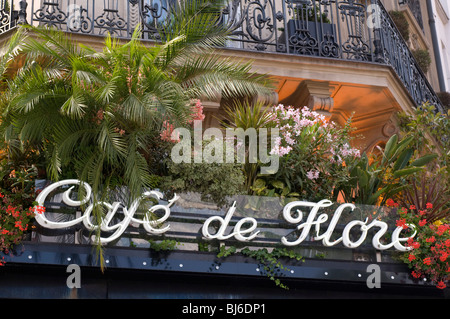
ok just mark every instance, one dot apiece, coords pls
pixel 389 149
pixel 259 183
pixel 363 177
pixel 401 146
pixel 403 159
pixel 278 184
pixel 373 198
pixel 407 171
pixel 424 160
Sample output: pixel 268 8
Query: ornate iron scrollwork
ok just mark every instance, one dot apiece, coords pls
pixel 153 14
pixel 300 39
pixel 78 19
pixel 5 16
pixel 110 20
pixel 50 14
pixel 310 30
pixel 353 14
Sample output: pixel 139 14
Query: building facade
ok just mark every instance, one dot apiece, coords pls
pixel 342 58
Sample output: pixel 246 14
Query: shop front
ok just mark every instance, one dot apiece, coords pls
pixel 185 248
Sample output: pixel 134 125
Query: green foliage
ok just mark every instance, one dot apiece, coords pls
pixel 269 260
pixel 313 14
pixel 401 22
pixel 164 245
pixel 214 181
pixel 430 131
pixel 423 59
pixel 375 180
pixel 246 116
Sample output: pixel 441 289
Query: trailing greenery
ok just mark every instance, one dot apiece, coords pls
pixel 164 245
pixel 269 260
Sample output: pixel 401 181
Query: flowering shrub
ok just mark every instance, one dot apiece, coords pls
pixel 14 222
pixel 313 152
pixel 196 114
pixel 16 204
pixel 429 248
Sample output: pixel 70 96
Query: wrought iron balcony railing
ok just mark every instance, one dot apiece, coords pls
pixel 359 30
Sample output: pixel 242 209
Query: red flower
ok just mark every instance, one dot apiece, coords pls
pixel 443 257
pixel 410 241
pixel 416 274
pixel 429 206
pixel 447 243
pixel 422 212
pixel 422 222
pixel 415 245
pixel 402 223
pixel 39 209
pixel 441 229
pixel 412 207
pixel 390 202
pixel 411 257
pixel 432 239
pixel 427 261
pixel 441 285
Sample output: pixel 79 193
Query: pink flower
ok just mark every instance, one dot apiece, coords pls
pixel 197 111
pixel 167 132
pixel 312 175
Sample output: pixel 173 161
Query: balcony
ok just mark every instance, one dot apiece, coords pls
pixel 356 31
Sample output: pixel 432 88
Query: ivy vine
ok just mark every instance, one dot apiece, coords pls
pixel 164 245
pixel 270 260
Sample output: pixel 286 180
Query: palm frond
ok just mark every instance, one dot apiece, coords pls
pixel 11 50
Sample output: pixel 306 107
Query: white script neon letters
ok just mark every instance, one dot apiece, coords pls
pixel 345 239
pixel 220 234
pixel 149 225
pixel 239 232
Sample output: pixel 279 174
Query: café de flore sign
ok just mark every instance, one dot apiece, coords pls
pixel 292 214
